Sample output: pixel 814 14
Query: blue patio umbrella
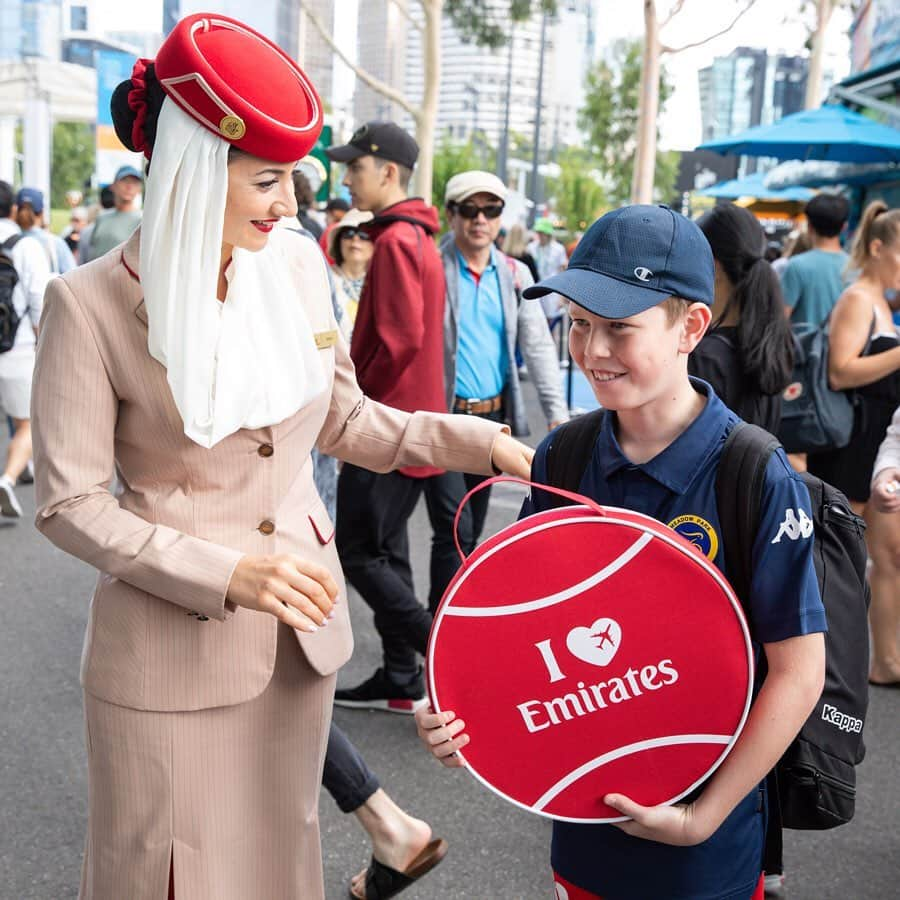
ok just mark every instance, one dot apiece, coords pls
pixel 754 186
pixel 831 132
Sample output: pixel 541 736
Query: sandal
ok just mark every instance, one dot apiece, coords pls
pixel 383 882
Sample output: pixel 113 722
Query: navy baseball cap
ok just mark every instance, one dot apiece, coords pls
pixel 634 258
pixel 128 172
pixel 33 197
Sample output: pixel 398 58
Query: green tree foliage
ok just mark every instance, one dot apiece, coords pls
pixel 609 117
pixel 72 163
pixel 578 196
pixel 486 23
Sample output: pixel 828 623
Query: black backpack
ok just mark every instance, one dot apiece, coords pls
pixel 9 278
pixel 814 782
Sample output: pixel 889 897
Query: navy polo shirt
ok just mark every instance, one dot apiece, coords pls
pixel 678 487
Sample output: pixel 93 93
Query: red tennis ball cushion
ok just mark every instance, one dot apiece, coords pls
pixel 591 654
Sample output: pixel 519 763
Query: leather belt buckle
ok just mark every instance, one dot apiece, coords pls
pixel 476 406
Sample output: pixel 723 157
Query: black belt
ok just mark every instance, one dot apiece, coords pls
pixel 475 407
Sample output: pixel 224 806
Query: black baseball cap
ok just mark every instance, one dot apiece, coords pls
pixel 634 258
pixel 382 139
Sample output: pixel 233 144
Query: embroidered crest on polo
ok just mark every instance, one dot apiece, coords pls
pixel 699 532
pixel 591 650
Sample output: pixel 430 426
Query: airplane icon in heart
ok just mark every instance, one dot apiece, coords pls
pixel 596 644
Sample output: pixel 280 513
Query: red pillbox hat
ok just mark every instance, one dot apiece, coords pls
pixel 240 86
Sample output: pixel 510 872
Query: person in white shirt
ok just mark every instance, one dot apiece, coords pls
pixel 32 266
pixel 886 480
pixel 550 257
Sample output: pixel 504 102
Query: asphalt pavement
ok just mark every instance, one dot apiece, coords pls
pixel 497 852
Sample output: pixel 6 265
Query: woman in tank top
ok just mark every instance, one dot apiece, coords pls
pixel 872 369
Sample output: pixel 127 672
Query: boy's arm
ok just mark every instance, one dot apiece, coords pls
pixel 793 685
pixel 786 616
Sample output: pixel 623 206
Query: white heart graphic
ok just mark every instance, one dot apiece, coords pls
pixel 596 645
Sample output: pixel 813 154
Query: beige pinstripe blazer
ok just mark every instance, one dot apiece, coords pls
pixel 161 635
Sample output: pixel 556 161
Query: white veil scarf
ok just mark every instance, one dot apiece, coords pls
pixel 250 361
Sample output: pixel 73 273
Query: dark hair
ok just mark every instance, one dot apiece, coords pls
pixel 337 203
pixel 6 199
pixel 763 335
pixel 827 214
pixel 124 116
pixel 338 255
pixel 773 251
pixel 404 173
pixel 303 192
pixel 107 198
pixel 26 217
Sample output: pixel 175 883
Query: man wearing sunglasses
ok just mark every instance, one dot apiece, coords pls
pixel 484 321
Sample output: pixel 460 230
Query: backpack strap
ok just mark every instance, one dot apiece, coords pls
pixel 570 452
pixel 514 271
pixel 739 485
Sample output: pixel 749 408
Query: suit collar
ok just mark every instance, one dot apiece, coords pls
pixel 131 261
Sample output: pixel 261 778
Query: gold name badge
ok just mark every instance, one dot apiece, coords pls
pixel 326 339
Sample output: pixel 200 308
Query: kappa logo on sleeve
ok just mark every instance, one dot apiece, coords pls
pixel 796 525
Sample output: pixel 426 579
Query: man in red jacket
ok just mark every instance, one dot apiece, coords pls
pixel 398 351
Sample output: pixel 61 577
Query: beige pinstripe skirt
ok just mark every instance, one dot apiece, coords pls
pixel 229 794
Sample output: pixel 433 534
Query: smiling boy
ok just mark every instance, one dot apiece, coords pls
pixel 640 287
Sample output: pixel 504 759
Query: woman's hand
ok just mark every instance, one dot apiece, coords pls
pixel 442 734
pixel 677 825
pixel 296 591
pixel 886 491
pixel 512 456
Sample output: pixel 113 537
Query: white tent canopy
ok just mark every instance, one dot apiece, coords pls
pixel 40 92
pixel 70 90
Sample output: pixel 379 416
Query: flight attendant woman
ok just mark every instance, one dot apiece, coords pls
pixel 201 362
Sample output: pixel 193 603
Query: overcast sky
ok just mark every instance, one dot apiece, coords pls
pixel 773 24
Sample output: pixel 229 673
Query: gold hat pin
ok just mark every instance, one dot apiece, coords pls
pixel 232 127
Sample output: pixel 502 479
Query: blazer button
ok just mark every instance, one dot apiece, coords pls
pixel 267 526
pixel 265 450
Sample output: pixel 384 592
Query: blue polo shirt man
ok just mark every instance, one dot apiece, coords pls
pixel 482 361
pixel 677 487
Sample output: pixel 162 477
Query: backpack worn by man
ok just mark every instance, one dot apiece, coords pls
pixel 9 278
pixel 814 782
pixel 815 418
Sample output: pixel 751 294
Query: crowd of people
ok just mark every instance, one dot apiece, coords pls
pixel 355 361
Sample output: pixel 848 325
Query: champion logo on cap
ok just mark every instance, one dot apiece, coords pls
pixel 643 273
